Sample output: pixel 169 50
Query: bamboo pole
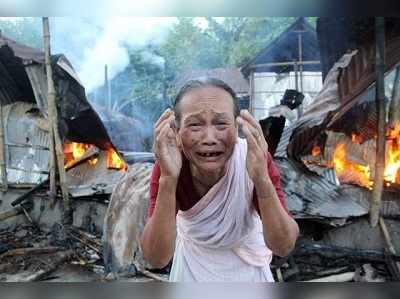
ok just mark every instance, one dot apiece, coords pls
pixel 381 125
pixel 107 89
pixel 52 110
pixel 53 168
pixel 300 42
pixel 3 165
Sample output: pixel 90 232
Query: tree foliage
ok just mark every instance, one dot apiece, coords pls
pixel 144 86
pixel 24 30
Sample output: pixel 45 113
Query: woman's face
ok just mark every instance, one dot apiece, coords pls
pixel 208 131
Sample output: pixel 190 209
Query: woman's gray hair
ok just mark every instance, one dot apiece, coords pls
pixel 204 82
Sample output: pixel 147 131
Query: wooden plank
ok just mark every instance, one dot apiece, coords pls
pixel 380 103
pixel 3 165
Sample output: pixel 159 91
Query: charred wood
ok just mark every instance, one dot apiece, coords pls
pixel 3 169
pixel 393 264
pixel 60 259
pixel 381 125
pixel 344 277
pixel 337 252
pixel 29 251
pixel 10 213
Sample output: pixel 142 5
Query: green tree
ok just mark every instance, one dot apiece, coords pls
pixel 27 31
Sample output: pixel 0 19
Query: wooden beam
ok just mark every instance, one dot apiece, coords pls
pixel 3 164
pixel 50 103
pixel 286 63
pixel 57 147
pixel 381 125
pixel 344 277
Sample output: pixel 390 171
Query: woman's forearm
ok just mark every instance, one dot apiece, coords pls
pixel 279 228
pixel 158 238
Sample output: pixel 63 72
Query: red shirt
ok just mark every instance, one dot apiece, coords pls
pixel 186 195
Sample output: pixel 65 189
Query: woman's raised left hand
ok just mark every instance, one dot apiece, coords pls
pixel 257 147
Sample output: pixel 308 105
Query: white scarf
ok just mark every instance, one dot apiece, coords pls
pixel 221 237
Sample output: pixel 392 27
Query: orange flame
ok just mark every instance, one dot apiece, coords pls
pixel 74 151
pixel 343 166
pixel 315 151
pixel 356 138
pixel 392 163
pixel 114 161
pixel 392 166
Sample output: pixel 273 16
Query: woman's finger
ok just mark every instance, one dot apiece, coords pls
pixel 251 139
pixel 256 134
pixel 166 122
pixel 252 121
pixel 163 117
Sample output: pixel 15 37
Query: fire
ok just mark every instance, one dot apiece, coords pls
pixel 75 151
pixel 356 138
pixel 343 166
pixel 392 167
pixel 114 161
pixel 316 151
pixel 362 173
pixel 79 149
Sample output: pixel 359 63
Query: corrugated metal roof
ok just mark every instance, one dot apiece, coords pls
pixel 299 138
pixel 311 196
pixel 339 35
pixel 25 53
pixel 14 82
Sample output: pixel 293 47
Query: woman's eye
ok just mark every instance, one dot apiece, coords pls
pixel 194 125
pixel 222 126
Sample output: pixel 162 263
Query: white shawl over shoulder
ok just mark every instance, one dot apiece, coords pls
pixel 220 238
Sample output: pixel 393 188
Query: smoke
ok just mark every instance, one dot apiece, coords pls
pixel 91 44
pixel 154 59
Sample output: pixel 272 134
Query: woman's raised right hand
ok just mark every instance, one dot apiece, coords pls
pixel 165 146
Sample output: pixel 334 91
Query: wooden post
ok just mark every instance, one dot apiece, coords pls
pixel 53 164
pixel 300 44
pixel 107 89
pixel 381 125
pixel 3 164
pixel 52 111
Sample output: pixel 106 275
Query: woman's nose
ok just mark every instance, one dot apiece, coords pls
pixel 209 136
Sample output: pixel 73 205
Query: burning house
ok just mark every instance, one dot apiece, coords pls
pixel 91 161
pixel 23 98
pixel 328 158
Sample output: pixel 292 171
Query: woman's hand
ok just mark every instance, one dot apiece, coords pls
pixel 165 146
pixel 257 147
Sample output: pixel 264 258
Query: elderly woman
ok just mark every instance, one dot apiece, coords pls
pixel 216 205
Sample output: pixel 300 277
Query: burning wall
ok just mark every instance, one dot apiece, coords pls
pixel 26 126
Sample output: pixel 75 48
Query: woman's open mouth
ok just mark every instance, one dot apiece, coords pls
pixel 210 154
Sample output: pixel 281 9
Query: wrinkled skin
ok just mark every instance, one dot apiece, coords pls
pixel 207 132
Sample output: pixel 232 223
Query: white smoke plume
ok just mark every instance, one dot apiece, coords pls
pixel 91 44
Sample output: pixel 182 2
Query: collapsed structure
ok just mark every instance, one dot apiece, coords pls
pixel 326 159
pixel 92 162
